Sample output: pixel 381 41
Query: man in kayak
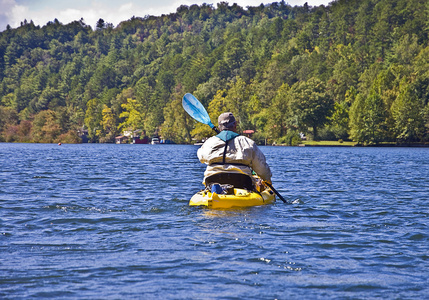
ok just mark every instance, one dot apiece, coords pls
pixel 231 157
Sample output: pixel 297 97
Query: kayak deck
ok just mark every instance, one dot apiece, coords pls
pixel 239 198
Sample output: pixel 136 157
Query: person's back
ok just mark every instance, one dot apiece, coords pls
pixel 230 153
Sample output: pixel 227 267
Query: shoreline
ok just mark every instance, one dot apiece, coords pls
pixel 310 144
pixel 353 144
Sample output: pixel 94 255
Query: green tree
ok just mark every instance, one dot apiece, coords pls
pixel 93 118
pixel 279 113
pixel 46 127
pixel 108 131
pixel 408 114
pixel 345 73
pixel 133 116
pixel 368 119
pixel 339 121
pixel 237 99
pixel 177 125
pixel 405 49
pixel 234 54
pixel 310 104
pixel 356 123
pixel 8 117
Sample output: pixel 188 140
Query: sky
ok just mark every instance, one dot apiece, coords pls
pixel 13 12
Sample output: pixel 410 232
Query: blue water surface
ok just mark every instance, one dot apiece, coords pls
pixel 96 221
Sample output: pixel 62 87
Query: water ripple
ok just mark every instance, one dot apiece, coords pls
pixel 112 221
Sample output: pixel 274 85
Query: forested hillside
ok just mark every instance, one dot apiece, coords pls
pixel 356 69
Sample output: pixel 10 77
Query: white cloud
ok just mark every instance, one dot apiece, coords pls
pixel 71 14
pixel 5 7
pixel 17 11
pixel 9 12
pixel 126 8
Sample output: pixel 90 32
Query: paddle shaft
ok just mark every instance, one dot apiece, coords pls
pixel 277 193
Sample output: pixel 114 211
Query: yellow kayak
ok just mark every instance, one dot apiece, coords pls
pixel 236 197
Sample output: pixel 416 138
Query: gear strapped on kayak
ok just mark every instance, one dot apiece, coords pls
pixel 234 179
pixel 223 196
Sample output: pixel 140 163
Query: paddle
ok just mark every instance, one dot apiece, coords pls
pixel 277 193
pixel 197 111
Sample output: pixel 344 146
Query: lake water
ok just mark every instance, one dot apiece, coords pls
pixel 98 221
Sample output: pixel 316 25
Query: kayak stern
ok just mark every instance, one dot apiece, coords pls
pixel 240 198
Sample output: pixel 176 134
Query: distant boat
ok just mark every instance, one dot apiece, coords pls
pixel 155 141
pixel 167 142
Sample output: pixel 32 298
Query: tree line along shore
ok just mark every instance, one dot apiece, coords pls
pixel 354 71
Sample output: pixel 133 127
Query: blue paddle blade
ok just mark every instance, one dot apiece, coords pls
pixel 196 110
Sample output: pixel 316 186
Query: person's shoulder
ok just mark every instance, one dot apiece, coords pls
pixel 211 140
pixel 245 139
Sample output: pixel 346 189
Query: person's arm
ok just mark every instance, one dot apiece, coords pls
pixel 260 166
pixel 201 153
pixel 210 150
